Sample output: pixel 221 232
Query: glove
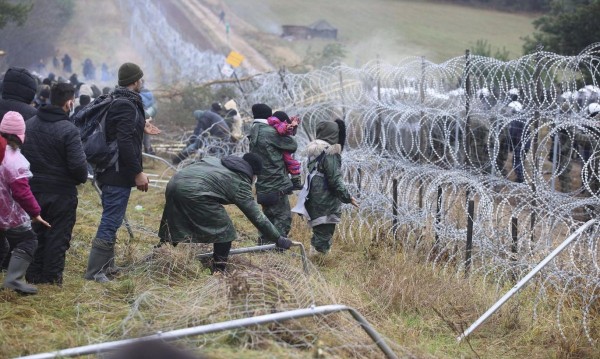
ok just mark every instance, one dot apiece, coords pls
pixel 283 243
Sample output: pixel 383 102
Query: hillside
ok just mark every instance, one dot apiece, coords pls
pixel 391 29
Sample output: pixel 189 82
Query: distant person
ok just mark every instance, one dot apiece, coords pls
pixel 41 67
pixel 66 61
pixel 125 124
pixel 18 207
pixel 74 80
pixel 586 142
pixel 58 163
pixel 89 70
pixel 18 91
pixel 149 114
pixel 55 63
pixel 233 119
pixel 105 75
pixel 519 140
pixel 286 126
pixel 208 123
pixel 195 199
pixel 222 16
pixel 84 100
pixel 43 97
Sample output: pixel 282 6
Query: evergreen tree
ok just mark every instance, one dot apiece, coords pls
pixel 10 12
pixel 569 27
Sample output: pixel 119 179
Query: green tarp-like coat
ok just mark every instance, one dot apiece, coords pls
pixel 327 189
pixel 269 145
pixel 195 197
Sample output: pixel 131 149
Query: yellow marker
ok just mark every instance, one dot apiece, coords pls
pixel 234 59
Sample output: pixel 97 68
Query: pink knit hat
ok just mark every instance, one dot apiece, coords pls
pixel 13 123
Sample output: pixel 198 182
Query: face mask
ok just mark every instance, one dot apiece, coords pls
pixel 72 109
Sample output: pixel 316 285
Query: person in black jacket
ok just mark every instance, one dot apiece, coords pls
pixel 125 123
pixel 54 150
pixel 18 90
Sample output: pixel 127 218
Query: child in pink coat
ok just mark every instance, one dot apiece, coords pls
pixel 286 126
pixel 18 206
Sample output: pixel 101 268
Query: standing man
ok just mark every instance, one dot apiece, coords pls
pixel 54 150
pixel 273 185
pixel 125 124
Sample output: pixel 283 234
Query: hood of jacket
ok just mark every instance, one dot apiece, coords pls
pixel 19 84
pixel 86 89
pixel 328 131
pixel 51 113
pixel 238 164
pixel 316 147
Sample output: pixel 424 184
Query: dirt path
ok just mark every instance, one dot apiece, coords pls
pixel 207 23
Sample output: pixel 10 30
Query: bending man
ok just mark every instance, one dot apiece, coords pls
pixel 195 197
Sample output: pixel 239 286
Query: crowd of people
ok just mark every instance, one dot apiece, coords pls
pixel 500 126
pixel 42 161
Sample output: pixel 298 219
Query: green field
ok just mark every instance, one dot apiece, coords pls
pixel 392 29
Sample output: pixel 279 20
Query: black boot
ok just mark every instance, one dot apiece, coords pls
pixel 180 157
pixel 15 274
pixel 101 254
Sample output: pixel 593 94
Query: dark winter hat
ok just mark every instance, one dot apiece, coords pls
pixel 216 107
pixel 19 84
pixel 45 92
pixel 255 162
pixel 282 116
pixel 260 110
pixel 328 131
pixel 84 100
pixel 129 73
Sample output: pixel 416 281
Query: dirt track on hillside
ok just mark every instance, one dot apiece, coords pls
pixel 201 22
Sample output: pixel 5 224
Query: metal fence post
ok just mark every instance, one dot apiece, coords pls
pixel 395 207
pixel 469 246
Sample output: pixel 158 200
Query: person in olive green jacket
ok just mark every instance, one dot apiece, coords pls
pixel 274 184
pixel 194 209
pixel 326 186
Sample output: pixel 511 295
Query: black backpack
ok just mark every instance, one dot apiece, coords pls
pixel 91 122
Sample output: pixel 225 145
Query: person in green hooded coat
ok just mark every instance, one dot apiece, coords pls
pixel 195 197
pixel 327 190
pixel 274 184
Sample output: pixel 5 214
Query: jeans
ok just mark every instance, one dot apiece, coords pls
pixel 114 205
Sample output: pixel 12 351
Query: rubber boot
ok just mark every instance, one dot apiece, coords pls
pixel 15 274
pixel 101 254
pixel 112 270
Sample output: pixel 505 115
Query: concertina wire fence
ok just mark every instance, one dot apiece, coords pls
pixel 502 155
pixel 476 164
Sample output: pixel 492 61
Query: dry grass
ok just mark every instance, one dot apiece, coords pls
pixel 417 307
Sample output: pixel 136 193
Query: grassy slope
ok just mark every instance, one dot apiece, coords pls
pixel 394 29
pixel 399 295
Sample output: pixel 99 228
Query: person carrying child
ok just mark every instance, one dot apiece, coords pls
pixel 18 207
pixel 286 126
